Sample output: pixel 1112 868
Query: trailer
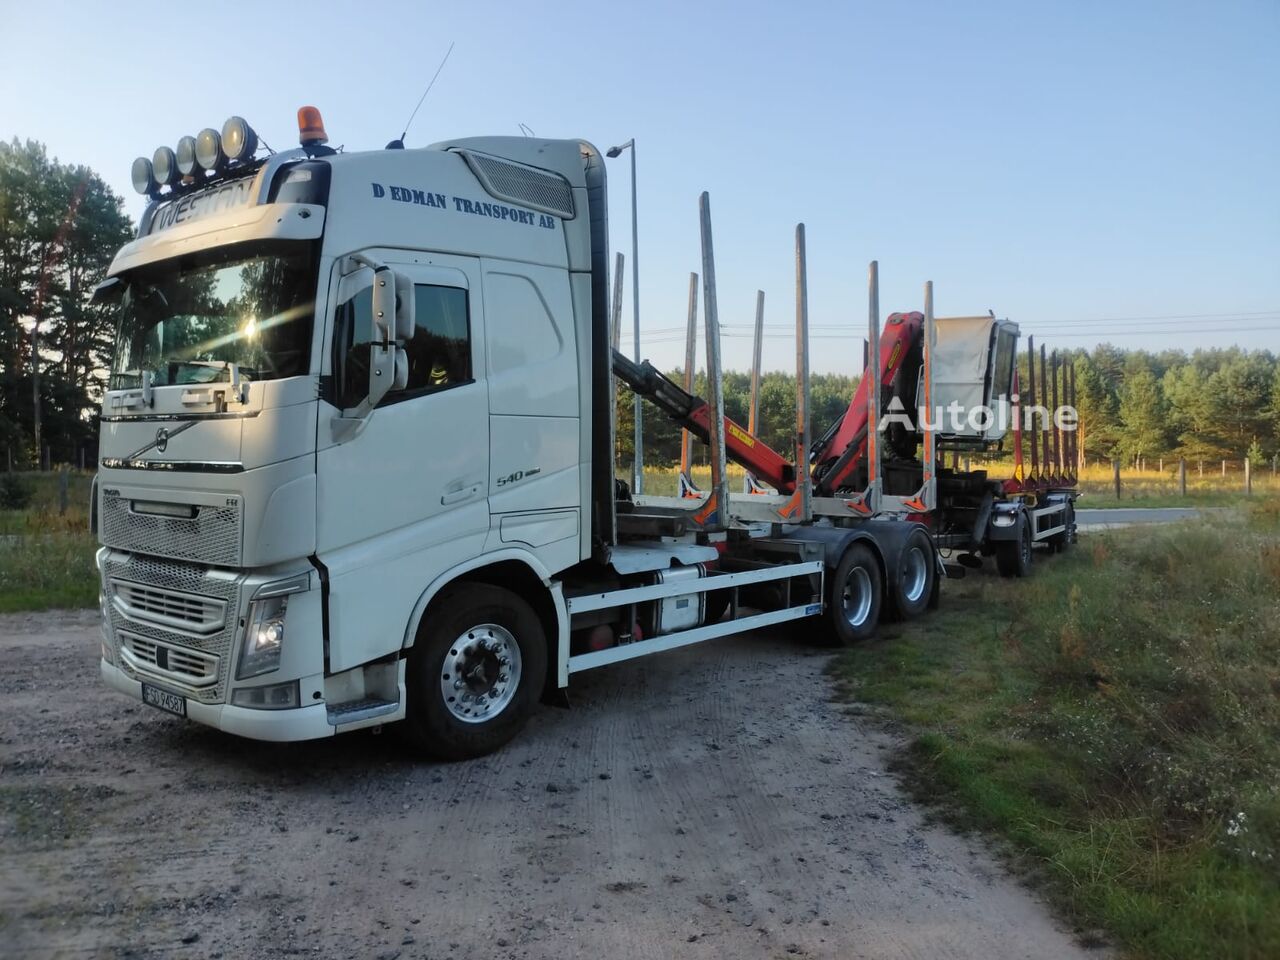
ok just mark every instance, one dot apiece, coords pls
pixel 356 460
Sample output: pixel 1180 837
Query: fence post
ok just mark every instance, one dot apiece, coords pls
pixel 1115 469
pixel 1201 469
pixel 1224 468
pixel 1182 477
pixel 45 462
pixel 1162 466
pixel 63 490
pixel 1248 477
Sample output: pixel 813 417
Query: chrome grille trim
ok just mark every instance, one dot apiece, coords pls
pixel 210 586
pixel 214 535
pixel 187 612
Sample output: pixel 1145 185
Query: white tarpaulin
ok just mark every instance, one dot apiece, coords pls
pixel 961 362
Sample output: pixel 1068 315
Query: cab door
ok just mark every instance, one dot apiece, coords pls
pixel 404 497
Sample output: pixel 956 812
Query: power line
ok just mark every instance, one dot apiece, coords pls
pixel 1097 334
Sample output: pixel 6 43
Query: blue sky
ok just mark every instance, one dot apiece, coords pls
pixel 1060 163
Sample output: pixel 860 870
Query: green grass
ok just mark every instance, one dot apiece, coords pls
pixel 46 556
pixel 1116 721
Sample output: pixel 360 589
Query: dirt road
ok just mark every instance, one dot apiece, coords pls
pixel 705 803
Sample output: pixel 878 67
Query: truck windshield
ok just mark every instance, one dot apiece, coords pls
pixel 188 319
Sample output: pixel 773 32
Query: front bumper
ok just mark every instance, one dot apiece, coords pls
pixel 301 723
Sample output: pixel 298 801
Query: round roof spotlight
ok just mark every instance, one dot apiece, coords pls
pixel 186 155
pixel 209 149
pixel 164 164
pixel 239 142
pixel 144 181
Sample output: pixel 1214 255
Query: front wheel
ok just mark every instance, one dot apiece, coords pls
pixel 853 597
pixel 475 672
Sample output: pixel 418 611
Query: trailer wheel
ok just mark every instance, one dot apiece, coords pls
pixel 853 597
pixel 475 672
pixel 1060 541
pixel 909 597
pixel 1013 557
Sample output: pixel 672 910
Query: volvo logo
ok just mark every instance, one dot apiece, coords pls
pixel 163 436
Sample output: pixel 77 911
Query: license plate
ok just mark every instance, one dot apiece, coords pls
pixel 164 700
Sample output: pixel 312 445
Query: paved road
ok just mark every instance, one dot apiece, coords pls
pixel 1126 516
pixel 710 802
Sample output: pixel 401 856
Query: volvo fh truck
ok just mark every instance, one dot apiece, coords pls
pixel 357 464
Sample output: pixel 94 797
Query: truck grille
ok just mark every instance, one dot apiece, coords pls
pixel 189 667
pixel 176 621
pixel 211 535
pixel 168 608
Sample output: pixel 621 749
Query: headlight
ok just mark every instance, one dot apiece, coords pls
pixel 263 637
pixel 1004 519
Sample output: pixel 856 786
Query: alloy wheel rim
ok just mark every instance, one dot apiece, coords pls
pixel 856 597
pixel 480 673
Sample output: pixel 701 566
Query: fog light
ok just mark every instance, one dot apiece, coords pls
pixel 209 149
pixel 164 164
pixel 238 140
pixel 186 156
pixel 144 180
pixel 274 696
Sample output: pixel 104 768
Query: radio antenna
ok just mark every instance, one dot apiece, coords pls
pixel 400 142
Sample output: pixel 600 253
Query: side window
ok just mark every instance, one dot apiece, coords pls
pixel 439 351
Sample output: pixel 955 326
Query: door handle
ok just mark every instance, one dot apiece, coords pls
pixel 457 496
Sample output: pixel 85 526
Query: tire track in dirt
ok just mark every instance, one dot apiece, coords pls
pixel 709 802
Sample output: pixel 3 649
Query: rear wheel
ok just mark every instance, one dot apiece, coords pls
pixel 909 596
pixel 1060 541
pixel 853 597
pixel 1013 557
pixel 475 672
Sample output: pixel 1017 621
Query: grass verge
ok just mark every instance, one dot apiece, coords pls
pixel 46 555
pixel 1116 720
pixel 47 571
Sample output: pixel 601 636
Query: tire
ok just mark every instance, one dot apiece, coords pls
pixel 1013 557
pixel 472 637
pixel 909 596
pixel 854 593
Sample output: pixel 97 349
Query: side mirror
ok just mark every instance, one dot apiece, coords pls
pixel 393 322
pixel 384 304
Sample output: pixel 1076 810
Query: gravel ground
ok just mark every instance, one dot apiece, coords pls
pixel 709 802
